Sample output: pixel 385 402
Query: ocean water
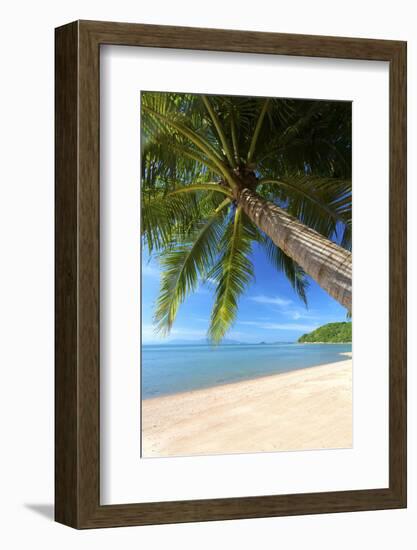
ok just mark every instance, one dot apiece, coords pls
pixel 168 369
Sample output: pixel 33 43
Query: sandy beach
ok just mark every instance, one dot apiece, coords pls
pixel 304 409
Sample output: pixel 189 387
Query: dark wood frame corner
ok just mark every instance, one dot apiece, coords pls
pixel 77 501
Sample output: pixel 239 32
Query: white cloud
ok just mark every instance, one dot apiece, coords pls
pixel 149 334
pixel 278 326
pixel 188 332
pixel 150 271
pixel 296 314
pixel 286 306
pixel 272 300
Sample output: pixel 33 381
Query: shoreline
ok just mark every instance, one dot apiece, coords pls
pixel 309 408
pixel 329 343
pixel 243 380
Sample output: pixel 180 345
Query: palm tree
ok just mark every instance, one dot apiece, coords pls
pixel 220 173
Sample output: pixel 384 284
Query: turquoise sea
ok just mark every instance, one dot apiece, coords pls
pixel 168 369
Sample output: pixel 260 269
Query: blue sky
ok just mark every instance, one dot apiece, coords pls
pixel 269 311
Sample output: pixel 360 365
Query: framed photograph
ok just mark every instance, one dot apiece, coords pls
pixel 230 274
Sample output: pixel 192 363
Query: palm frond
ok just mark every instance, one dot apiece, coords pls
pixel 324 204
pixel 174 121
pixel 257 130
pixel 169 219
pixel 219 128
pixel 180 149
pixel 346 240
pixel 318 135
pixel 164 218
pixel 214 187
pixel 169 159
pixel 313 190
pixel 232 274
pixel 182 265
pixel 295 275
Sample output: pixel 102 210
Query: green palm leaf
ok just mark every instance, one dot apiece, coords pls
pixel 168 217
pixel 295 275
pixel 219 128
pixel 257 129
pixel 324 204
pixel 329 194
pixel 183 264
pixel 215 187
pixel 232 274
pixel 165 218
pixel 189 133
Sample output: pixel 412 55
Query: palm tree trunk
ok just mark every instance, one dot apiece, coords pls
pixel 327 263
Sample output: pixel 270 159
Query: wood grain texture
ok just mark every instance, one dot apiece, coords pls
pixel 78 285
pixel 66 258
pixel 398 274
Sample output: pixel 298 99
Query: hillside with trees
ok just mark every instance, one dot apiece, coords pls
pixel 333 333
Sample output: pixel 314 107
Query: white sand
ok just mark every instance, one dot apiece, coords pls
pixel 299 410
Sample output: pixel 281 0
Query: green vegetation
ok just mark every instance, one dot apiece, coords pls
pixel 332 333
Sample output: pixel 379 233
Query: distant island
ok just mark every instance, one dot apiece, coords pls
pixel 196 342
pixel 206 342
pixel 332 333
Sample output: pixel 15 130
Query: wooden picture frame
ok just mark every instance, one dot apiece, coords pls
pixel 77 374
